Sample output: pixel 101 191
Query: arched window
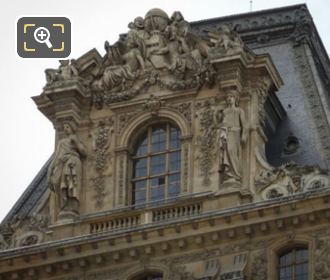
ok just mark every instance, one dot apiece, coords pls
pixel 157 164
pixel 293 264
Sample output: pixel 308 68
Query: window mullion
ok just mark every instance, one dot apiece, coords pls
pixel 148 164
pixel 168 131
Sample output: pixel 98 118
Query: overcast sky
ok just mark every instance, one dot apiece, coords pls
pixel 27 137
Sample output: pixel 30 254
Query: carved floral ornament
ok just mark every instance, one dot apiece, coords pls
pixel 158 50
pixel 290 179
pixel 26 231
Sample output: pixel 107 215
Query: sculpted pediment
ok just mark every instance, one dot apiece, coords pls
pixel 158 52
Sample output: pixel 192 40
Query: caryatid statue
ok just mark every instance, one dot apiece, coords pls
pixel 65 171
pixel 232 133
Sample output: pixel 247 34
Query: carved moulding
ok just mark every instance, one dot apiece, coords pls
pixel 145 117
pixel 101 98
pixel 102 161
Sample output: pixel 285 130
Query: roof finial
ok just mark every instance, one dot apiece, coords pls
pixel 251 3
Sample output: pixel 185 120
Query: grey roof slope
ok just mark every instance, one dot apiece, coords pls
pixel 30 196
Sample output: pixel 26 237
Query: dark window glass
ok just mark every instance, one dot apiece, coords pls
pixel 139 191
pixel 293 265
pixel 174 185
pixel 158 188
pixel 140 167
pixel 175 161
pixel 175 138
pixel 142 147
pixel 157 164
pixel 158 142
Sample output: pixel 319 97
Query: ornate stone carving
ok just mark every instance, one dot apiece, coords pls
pixel 236 275
pixel 184 108
pixel 123 119
pixel 226 42
pixel 260 87
pixel 153 104
pixel 100 193
pixel 259 266
pixel 289 179
pixel 23 232
pixel 31 239
pixel 6 234
pixel 231 134
pixel 303 27
pixel 322 256
pixel 65 171
pixel 66 72
pixel 206 140
pixel 38 222
pixel 101 144
pixel 178 272
pixel 102 158
pixel 157 50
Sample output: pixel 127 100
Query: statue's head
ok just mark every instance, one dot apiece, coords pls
pixel 232 97
pixel 177 16
pixel 139 22
pixel 64 62
pixel 68 128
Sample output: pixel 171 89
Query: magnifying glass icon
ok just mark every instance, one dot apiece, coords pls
pixel 41 35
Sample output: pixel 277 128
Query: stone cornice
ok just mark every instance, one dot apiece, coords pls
pixel 232 218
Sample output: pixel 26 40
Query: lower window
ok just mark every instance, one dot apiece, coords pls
pixel 293 264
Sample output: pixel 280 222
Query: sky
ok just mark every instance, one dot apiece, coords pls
pixel 27 136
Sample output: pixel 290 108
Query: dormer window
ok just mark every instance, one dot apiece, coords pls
pixel 157 164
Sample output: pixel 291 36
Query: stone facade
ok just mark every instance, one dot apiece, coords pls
pixel 253 185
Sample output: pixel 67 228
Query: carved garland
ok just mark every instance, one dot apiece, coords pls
pixel 206 141
pixel 101 159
